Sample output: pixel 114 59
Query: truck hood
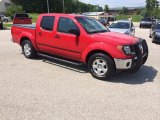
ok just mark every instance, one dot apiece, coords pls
pixel 116 38
pixel 118 30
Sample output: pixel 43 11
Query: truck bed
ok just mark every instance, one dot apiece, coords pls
pixel 31 26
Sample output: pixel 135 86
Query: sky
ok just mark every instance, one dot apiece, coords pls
pixel 116 3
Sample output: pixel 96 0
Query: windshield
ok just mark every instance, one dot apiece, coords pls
pixel 120 25
pixel 146 19
pixel 91 25
pixel 22 15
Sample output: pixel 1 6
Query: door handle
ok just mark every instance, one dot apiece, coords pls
pixel 39 33
pixel 57 36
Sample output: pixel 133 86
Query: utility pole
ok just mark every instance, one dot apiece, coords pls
pixel 48 6
pixel 63 7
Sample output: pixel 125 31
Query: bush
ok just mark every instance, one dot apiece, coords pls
pixel 11 10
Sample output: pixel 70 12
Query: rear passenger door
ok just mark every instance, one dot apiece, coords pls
pixel 45 34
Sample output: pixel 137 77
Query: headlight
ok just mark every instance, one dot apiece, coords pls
pixel 127 49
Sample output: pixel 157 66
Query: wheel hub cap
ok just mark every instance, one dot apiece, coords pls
pixel 100 67
pixel 27 49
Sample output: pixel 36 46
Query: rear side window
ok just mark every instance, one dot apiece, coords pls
pixel 65 24
pixel 47 23
pixel 22 15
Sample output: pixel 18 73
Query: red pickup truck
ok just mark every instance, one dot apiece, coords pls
pixel 78 38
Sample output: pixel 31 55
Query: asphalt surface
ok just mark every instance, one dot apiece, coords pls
pixel 42 89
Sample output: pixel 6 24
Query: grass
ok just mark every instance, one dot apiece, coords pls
pixel 5 25
pixel 34 16
pixel 135 18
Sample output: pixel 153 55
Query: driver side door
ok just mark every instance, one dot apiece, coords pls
pixel 66 43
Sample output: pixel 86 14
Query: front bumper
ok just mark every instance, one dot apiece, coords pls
pixel 123 63
pixel 138 60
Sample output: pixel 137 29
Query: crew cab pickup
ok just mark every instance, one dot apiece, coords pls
pixel 81 39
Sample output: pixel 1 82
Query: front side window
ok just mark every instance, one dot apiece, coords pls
pixel 66 24
pixel 91 25
pixel 47 23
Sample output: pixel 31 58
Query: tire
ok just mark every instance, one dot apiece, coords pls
pixel 1 26
pixel 101 66
pixel 153 39
pixel 140 26
pixel 28 49
pixel 6 20
pixel 150 36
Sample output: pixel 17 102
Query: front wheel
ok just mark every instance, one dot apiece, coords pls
pixel 28 49
pixel 101 66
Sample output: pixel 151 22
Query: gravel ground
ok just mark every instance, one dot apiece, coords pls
pixel 44 90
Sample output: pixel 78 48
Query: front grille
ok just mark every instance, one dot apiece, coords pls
pixel 137 49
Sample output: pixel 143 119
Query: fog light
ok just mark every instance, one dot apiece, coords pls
pixel 128 64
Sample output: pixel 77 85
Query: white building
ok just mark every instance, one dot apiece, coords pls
pixel 3 5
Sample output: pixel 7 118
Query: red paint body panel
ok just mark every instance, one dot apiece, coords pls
pixel 69 45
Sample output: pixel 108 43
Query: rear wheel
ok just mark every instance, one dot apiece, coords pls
pixel 153 39
pixel 140 26
pixel 28 49
pixel 6 20
pixel 150 36
pixel 101 66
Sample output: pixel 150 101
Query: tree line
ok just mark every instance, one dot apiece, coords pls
pixel 71 6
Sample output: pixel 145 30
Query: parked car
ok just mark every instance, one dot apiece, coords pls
pixel 79 39
pixel 104 22
pixel 155 32
pixel 123 26
pixel 5 19
pixel 146 22
pixel 1 23
pixel 22 18
pixel 155 20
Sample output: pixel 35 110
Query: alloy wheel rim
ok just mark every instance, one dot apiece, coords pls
pixel 100 67
pixel 27 49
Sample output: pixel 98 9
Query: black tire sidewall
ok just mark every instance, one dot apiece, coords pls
pixel 110 64
pixel 33 52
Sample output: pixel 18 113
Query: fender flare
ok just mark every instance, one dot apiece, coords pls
pixel 29 36
pixel 101 46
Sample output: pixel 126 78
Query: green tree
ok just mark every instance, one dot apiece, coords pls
pixel 124 11
pixel 40 6
pixel 144 13
pixel 106 8
pixel 152 8
pixel 11 10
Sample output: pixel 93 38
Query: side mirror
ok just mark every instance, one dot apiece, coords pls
pixel 74 31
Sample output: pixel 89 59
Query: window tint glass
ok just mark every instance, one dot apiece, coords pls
pixel 65 24
pixel 22 15
pixel 47 23
pixel 91 25
pixel 120 25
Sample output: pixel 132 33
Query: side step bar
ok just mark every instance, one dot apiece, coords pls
pixel 61 59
